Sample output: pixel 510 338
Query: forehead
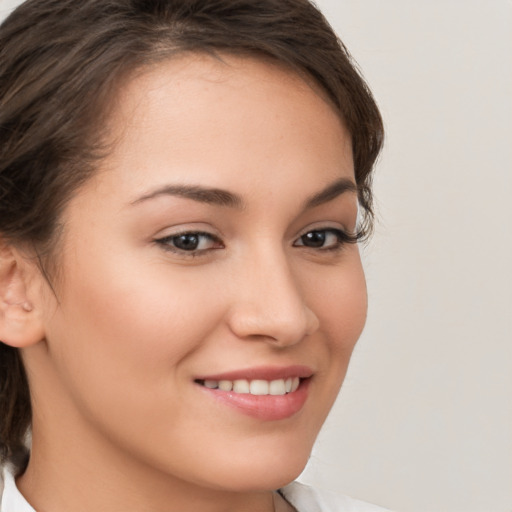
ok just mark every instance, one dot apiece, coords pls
pixel 231 114
pixel 257 71
pixel 199 83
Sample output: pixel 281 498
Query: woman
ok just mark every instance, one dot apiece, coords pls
pixel 183 184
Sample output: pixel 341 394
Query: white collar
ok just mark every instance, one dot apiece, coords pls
pixel 11 499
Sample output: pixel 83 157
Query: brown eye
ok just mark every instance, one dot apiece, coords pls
pixel 186 242
pixel 314 239
pixel 323 239
pixel 190 242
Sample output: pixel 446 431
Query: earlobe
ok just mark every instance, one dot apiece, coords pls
pixel 20 320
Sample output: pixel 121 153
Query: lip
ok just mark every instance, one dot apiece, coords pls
pixel 262 372
pixel 262 407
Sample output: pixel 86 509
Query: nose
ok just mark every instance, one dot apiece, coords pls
pixel 269 304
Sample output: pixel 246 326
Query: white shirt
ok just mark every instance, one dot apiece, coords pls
pixel 11 500
pixel 302 497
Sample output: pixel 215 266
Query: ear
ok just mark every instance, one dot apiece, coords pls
pixel 20 299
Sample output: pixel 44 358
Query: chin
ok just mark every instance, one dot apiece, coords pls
pixel 266 471
pixel 278 479
pixel 255 480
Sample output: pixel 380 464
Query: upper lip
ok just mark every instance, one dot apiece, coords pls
pixel 262 373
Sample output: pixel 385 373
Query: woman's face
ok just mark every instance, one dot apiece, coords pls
pixel 207 253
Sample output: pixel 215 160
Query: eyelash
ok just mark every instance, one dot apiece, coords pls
pixel 168 241
pixel 342 238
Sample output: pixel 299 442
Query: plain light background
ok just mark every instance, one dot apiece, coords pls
pixel 424 422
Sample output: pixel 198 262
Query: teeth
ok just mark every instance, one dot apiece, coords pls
pixel 256 387
pixel 225 385
pixel 277 387
pixel 241 386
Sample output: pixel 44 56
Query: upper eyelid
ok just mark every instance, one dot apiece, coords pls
pixel 172 231
pixel 319 226
pixel 187 232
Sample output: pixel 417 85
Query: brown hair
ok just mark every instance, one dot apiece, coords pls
pixel 60 63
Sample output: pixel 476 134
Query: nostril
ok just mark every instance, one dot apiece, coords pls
pixel 270 307
pixel 280 323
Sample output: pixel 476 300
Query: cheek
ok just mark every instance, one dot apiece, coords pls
pixel 122 352
pixel 340 303
pixel 338 297
pixel 348 313
pixel 128 336
pixel 341 306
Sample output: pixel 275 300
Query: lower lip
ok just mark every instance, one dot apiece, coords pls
pixel 264 407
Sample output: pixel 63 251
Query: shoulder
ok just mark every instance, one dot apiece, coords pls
pixel 309 499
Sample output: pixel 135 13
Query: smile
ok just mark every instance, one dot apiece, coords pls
pixel 258 387
pixel 266 393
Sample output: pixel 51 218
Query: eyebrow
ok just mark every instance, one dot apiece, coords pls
pixel 330 192
pixel 220 197
pixel 198 193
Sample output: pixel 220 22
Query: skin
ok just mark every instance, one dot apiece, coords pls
pixel 119 423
